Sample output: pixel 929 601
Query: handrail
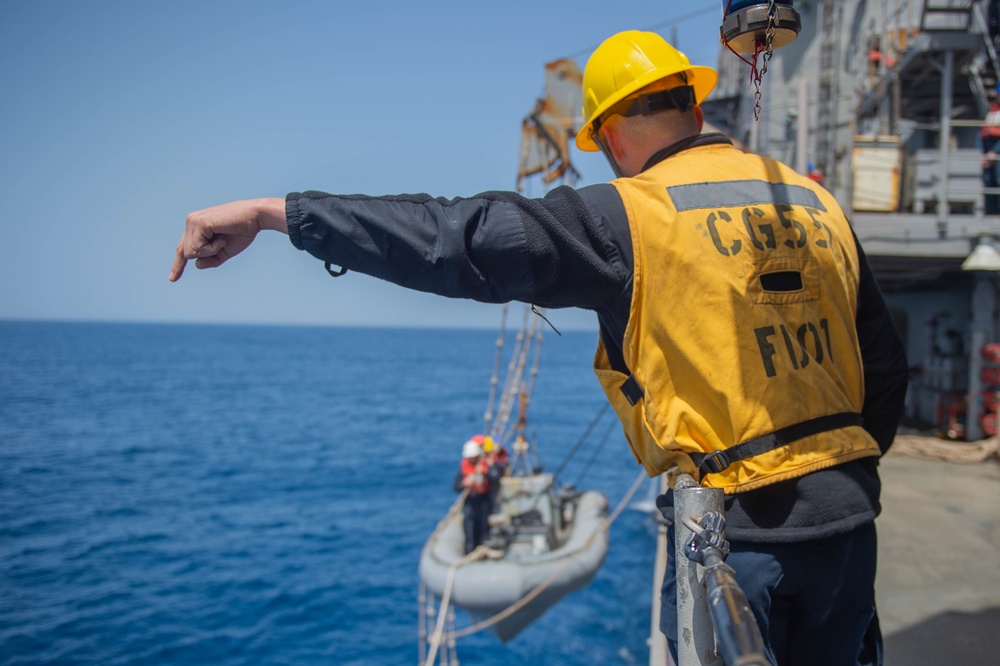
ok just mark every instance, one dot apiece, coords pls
pixel 714 617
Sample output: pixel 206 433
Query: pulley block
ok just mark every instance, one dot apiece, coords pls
pixel 748 26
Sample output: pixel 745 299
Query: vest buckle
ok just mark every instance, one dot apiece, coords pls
pixel 714 462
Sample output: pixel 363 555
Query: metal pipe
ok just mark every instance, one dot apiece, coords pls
pixel 944 138
pixel 736 630
pixel 657 641
pixel 973 403
pixel 802 129
pixel 695 636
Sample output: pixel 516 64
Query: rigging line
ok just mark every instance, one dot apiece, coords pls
pixel 555 475
pixel 532 353
pixel 593 457
pixel 583 438
pixel 512 380
pixel 476 554
pixel 520 603
pixel 536 361
pixel 452 512
pixel 495 377
pixel 656 26
pixel 422 623
pixel 515 374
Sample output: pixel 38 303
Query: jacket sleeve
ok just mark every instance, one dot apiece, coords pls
pixel 882 354
pixel 494 247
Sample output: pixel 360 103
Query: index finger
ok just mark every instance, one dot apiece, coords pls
pixel 177 270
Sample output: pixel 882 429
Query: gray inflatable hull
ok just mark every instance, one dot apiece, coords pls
pixel 486 587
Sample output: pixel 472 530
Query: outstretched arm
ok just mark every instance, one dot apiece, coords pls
pixel 494 247
pixel 215 235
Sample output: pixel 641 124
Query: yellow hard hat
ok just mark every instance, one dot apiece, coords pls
pixel 626 62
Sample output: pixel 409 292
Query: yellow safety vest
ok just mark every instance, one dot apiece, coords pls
pixel 742 322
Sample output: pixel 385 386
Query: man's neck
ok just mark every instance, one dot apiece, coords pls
pixel 683 144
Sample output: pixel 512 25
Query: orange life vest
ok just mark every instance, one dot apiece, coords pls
pixel 482 483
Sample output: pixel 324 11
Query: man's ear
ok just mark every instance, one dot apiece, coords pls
pixel 699 115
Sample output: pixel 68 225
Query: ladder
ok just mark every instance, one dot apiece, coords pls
pixel 827 103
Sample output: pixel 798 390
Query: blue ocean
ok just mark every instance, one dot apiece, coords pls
pixel 193 494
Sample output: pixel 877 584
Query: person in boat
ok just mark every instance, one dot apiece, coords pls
pixel 743 338
pixel 496 455
pixel 480 478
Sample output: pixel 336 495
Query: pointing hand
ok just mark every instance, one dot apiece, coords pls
pixel 215 235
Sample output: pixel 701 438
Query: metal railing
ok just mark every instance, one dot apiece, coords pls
pixel 715 623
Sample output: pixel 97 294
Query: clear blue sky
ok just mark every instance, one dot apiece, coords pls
pixel 118 118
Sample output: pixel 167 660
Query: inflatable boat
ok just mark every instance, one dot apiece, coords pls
pixel 543 545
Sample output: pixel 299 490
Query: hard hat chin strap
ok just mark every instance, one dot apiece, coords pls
pixel 607 156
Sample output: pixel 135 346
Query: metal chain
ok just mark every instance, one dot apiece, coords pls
pixel 767 51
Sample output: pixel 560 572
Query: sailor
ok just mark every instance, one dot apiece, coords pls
pixel 496 455
pixel 815 174
pixel 479 478
pixel 743 337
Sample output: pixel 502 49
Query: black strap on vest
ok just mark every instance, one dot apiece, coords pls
pixel 717 461
pixel 633 392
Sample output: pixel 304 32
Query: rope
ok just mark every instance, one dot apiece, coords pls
pixel 452 511
pixel 536 361
pixel 495 377
pixel 607 436
pixel 541 587
pixel 931 448
pixel 527 336
pixel 517 380
pixel 422 623
pixel 479 553
pixel 583 438
pixel 586 468
pixel 653 28
pixel 512 382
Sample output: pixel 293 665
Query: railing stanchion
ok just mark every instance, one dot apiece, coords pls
pixel 695 635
